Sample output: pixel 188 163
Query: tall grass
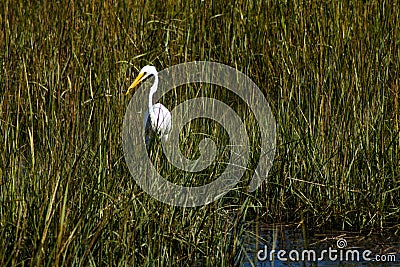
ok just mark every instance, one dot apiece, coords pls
pixel 329 70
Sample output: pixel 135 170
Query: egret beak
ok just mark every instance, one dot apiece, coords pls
pixel 135 83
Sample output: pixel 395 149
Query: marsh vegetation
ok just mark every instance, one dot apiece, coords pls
pixel 329 70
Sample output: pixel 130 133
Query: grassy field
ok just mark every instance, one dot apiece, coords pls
pixel 330 72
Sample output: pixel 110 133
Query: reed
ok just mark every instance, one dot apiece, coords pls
pixel 329 70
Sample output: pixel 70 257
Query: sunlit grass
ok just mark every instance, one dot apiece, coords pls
pixel 330 72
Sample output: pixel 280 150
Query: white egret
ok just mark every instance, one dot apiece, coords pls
pixel 157 118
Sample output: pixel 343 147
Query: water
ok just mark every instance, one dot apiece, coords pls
pixel 280 245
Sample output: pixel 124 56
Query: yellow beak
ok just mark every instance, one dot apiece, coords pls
pixel 135 83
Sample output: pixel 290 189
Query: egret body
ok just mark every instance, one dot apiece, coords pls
pixel 157 118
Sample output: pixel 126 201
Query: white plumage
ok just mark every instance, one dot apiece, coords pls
pixel 157 118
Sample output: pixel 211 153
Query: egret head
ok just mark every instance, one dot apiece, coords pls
pixel 145 72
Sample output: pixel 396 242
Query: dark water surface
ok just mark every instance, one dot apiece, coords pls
pixel 280 245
